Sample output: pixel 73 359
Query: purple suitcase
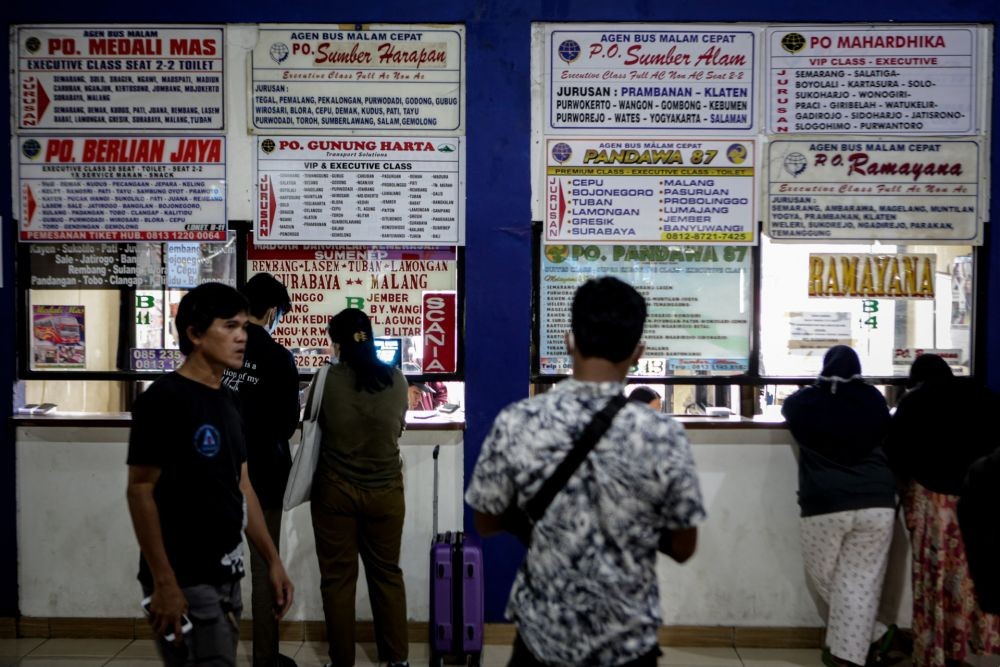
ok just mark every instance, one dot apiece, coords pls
pixel 456 581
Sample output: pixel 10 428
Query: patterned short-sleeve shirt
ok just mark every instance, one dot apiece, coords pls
pixel 587 593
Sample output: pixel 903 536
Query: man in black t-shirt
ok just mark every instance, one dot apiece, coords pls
pixel 267 390
pixel 189 493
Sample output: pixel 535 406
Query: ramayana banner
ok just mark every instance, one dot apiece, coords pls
pixel 650 190
pixel 385 77
pixel 698 299
pixel 120 77
pixel 889 190
pixel 867 276
pixel 117 188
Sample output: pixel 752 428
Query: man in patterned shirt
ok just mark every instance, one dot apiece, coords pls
pixel 586 593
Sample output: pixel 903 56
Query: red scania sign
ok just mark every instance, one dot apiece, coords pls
pixel 440 348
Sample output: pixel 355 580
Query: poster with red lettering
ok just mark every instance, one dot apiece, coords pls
pixel 390 284
pixel 116 188
pixel 875 79
pixel 152 77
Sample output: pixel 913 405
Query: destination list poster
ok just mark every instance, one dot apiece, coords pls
pixel 387 283
pixel 392 191
pixel 888 80
pixel 894 191
pixel 132 78
pixel 633 78
pixel 383 78
pixel 645 190
pixel 122 188
pixel 698 300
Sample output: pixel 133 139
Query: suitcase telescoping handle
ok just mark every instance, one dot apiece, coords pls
pixel 437 450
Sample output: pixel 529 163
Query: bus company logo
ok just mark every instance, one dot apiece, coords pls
pixel 737 153
pixel 557 254
pixel 793 42
pixel 446 148
pixel 278 52
pixel 569 50
pixel 31 149
pixel 267 145
pixel 561 152
pixel 207 441
pixel 32 44
pixel 795 164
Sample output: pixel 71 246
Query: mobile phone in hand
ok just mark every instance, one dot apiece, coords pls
pixel 186 624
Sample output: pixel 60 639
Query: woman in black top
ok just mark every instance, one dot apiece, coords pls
pixel 936 434
pixel 847 496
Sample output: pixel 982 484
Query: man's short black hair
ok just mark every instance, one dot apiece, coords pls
pixel 264 291
pixel 202 306
pixel 608 318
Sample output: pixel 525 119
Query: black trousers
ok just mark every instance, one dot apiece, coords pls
pixel 522 657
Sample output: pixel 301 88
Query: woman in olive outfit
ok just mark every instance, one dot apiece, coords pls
pixel 357 497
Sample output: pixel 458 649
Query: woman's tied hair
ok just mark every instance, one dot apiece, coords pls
pixel 360 336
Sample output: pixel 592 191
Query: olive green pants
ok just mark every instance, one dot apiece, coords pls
pixel 349 521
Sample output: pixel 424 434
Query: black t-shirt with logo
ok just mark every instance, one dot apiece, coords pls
pixel 267 390
pixel 194 435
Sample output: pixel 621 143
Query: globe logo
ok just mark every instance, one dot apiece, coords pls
pixel 31 149
pixel 279 52
pixel 267 145
pixel 737 153
pixel 556 253
pixel 795 164
pixel 561 152
pixel 793 42
pixel 569 50
pixel 33 44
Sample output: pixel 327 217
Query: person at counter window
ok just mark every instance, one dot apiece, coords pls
pixel 935 436
pixel 357 497
pixel 586 593
pixel 427 395
pixel 267 389
pixel 847 496
pixel 189 492
pixel 646 396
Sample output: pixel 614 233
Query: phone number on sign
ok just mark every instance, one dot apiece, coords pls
pixel 706 236
pixel 311 360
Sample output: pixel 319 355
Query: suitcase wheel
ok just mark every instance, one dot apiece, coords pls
pixel 475 659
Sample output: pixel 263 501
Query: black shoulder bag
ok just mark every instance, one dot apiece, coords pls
pixel 520 523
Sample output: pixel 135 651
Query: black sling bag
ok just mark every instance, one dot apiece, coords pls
pixel 520 523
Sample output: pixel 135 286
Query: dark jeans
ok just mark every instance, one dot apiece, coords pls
pixel 522 657
pixel 215 614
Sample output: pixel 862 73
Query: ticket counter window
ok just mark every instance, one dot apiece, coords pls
pixel 888 302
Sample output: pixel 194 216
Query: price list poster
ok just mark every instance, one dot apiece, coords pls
pixel 366 190
pixel 887 80
pixel 383 78
pixel 688 79
pixel 120 78
pixel 122 188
